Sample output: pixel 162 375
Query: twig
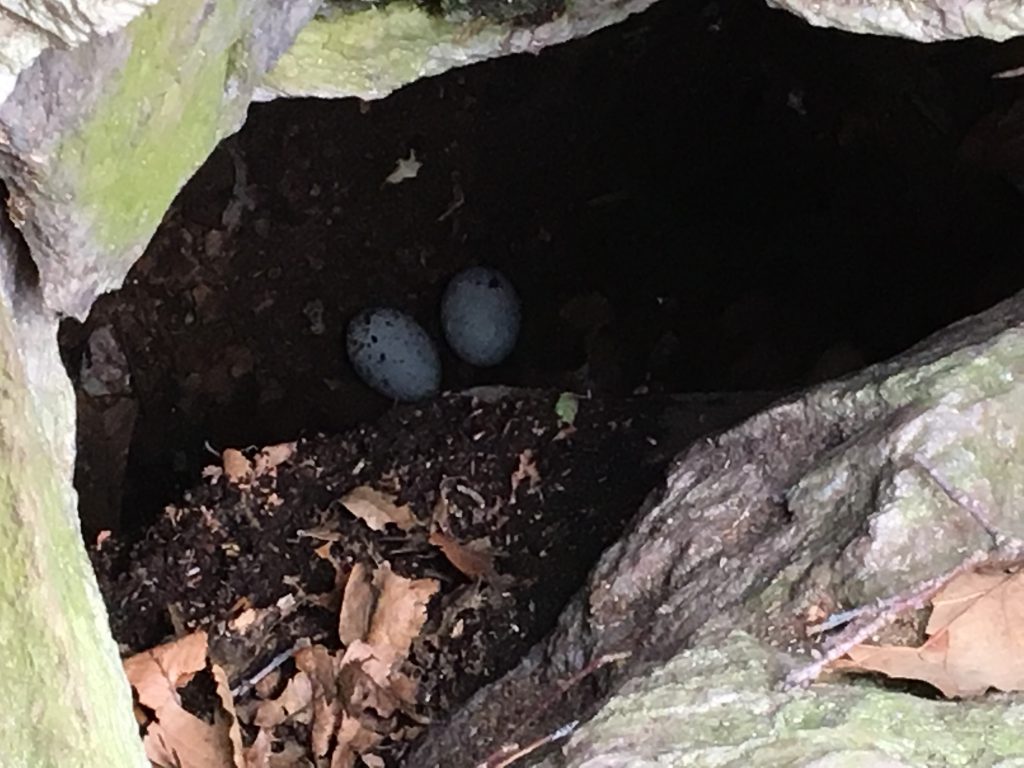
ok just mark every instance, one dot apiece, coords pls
pixel 245 686
pixel 882 613
pixel 504 757
pixel 510 752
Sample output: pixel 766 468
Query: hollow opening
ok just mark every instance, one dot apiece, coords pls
pixel 705 199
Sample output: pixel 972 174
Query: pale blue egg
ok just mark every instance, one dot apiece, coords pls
pixel 392 353
pixel 480 313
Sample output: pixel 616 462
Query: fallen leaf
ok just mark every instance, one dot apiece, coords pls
pixel 353 740
pixel 356 605
pixel 975 640
pixel 473 559
pixel 268 459
pixel 527 469
pixel 377 509
pixel 401 609
pixel 370 681
pixel 157 673
pixel 227 703
pixel 244 620
pixel 258 754
pixel 293 755
pixel 405 168
pixel 294 699
pixel 175 737
pixel 319 665
pixel 237 468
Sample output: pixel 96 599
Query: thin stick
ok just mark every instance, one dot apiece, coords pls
pixel 509 753
pixel 503 758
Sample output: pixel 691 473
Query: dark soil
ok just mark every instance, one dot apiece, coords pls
pixel 226 547
pixel 708 198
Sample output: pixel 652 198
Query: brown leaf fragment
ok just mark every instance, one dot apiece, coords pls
pixel 292 755
pixel 294 700
pixel 243 620
pixel 527 470
pixel 318 663
pixel 369 681
pixel 258 754
pixel 976 640
pixel 473 559
pixel 157 673
pixel 271 457
pixel 377 509
pixel 227 702
pixel 357 604
pixel 237 468
pixel 354 739
pixel 401 610
pixel 176 737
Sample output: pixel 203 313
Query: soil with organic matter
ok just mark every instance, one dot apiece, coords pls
pixel 540 498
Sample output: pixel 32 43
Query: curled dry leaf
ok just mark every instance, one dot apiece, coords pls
pixel 377 509
pixel 268 459
pixel 527 470
pixel 227 702
pixel 974 640
pixel 321 669
pixel 237 468
pixel 356 605
pixel 294 700
pixel 354 739
pixel 258 755
pixel 176 737
pixel 370 680
pixel 401 610
pixel 473 559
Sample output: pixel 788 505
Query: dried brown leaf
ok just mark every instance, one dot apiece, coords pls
pixel 258 754
pixel 473 559
pixel 356 605
pixel 268 459
pixel 176 737
pixel 293 701
pixel 976 640
pixel 377 509
pixel 354 739
pixel 401 610
pixel 227 702
pixel 319 664
pixel 156 674
pixel 237 468
pixel 369 682
pixel 527 470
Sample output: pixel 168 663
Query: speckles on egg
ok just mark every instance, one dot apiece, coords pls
pixel 480 314
pixel 392 353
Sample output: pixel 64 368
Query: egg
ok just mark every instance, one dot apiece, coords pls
pixel 480 314
pixel 392 353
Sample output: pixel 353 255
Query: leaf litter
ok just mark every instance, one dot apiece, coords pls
pixel 364 626
pixel 975 639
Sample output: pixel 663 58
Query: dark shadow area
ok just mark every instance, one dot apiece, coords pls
pixel 707 198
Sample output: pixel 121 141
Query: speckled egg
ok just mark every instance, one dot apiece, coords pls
pixel 480 314
pixel 392 353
